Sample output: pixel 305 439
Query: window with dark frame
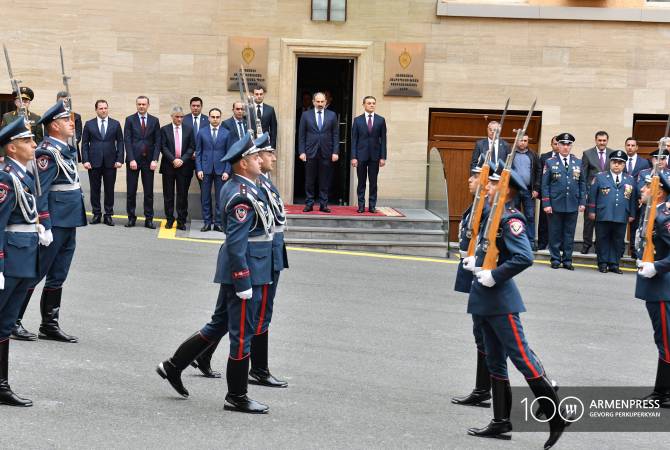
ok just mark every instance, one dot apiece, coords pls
pixel 329 10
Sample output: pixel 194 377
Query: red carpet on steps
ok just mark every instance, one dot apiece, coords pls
pixel 344 211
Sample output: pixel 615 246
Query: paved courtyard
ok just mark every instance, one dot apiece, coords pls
pixel 373 348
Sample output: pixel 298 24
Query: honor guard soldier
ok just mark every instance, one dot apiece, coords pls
pixel 482 391
pixel 27 96
pixel 659 157
pixel 612 204
pixel 18 239
pixel 653 286
pixel 495 304
pixel 244 266
pixel 61 211
pixel 563 198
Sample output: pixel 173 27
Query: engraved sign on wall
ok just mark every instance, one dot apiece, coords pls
pixel 403 69
pixel 253 54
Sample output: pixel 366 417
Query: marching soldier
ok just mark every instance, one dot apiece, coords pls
pixel 27 96
pixel 18 240
pixel 61 211
pixel 563 193
pixel 612 204
pixel 244 266
pixel 653 286
pixel 482 391
pixel 495 304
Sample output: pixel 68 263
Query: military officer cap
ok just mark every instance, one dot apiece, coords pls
pixel 480 163
pixel 565 138
pixel 262 143
pixel 15 130
pixel 57 111
pixel 658 152
pixel 26 93
pixel 515 180
pixel 664 181
pixel 618 155
pixel 240 149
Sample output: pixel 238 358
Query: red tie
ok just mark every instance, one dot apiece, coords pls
pixel 369 123
pixel 144 126
pixel 177 143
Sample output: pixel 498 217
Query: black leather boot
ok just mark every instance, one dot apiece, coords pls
pixel 172 368
pixel 500 426
pixel 549 401
pixel 18 332
pixel 662 385
pixel 259 373
pixel 236 399
pixel 482 391
pixel 204 361
pixel 7 397
pixel 50 309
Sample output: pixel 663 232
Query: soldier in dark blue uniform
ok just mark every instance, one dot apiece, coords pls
pixel 495 304
pixel 612 204
pixel 18 239
pixel 244 266
pixel 482 391
pixel 563 197
pixel 260 373
pixel 653 286
pixel 61 211
pixel 659 157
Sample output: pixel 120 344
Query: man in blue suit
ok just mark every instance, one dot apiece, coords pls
pixel 237 124
pixel 368 151
pixel 318 147
pixel 210 147
pixel 634 165
pixel 193 122
pixel 102 155
pixel 143 147
pixel 500 151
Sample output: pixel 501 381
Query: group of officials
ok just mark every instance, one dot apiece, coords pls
pixel 605 185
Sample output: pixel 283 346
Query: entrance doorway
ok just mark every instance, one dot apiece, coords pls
pixel 334 77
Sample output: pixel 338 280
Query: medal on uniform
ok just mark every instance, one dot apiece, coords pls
pixel 627 191
pixel 605 191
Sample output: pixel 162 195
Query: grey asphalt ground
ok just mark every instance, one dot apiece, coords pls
pixel 373 350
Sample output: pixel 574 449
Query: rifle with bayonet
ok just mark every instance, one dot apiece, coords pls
pixel 644 238
pixel 66 85
pixel 248 102
pixel 472 230
pixel 489 244
pixel 23 112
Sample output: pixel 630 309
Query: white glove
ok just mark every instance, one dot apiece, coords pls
pixel 245 295
pixel 2 281
pixel 469 263
pixel 638 263
pixel 485 278
pixel 45 236
pixel 463 253
pixel 647 270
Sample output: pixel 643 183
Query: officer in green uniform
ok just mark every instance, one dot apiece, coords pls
pixel 27 96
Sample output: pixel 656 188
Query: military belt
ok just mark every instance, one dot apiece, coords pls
pixel 22 228
pixel 65 187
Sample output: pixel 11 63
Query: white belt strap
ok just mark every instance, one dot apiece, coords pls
pixel 65 187
pixel 22 228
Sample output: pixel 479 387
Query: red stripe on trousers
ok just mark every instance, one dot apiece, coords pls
pixel 520 345
pixel 264 302
pixel 240 350
pixel 664 326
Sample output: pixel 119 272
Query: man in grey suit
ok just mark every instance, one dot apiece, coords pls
pixel 500 151
pixel 594 161
pixel 267 115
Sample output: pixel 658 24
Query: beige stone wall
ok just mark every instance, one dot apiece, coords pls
pixel 586 75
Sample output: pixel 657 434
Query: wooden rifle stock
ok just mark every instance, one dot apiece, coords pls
pixel 650 217
pixel 491 258
pixel 478 209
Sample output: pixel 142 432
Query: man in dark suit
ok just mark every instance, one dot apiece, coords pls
pixel 368 151
pixel 267 115
pixel 594 161
pixel 193 121
pixel 177 146
pixel 62 96
pixel 102 155
pixel 237 124
pixel 211 145
pixel 143 147
pixel 543 223
pixel 633 167
pixel 318 147
pixel 500 151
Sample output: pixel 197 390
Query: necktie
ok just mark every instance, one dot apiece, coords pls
pixel 259 114
pixel 103 130
pixel 177 143
pixel 369 123
pixel 565 163
pixel 319 122
pixel 240 130
pixel 602 160
pixel 144 125
pixel 617 180
pixel 214 134
pixel 630 166
pixel 196 124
